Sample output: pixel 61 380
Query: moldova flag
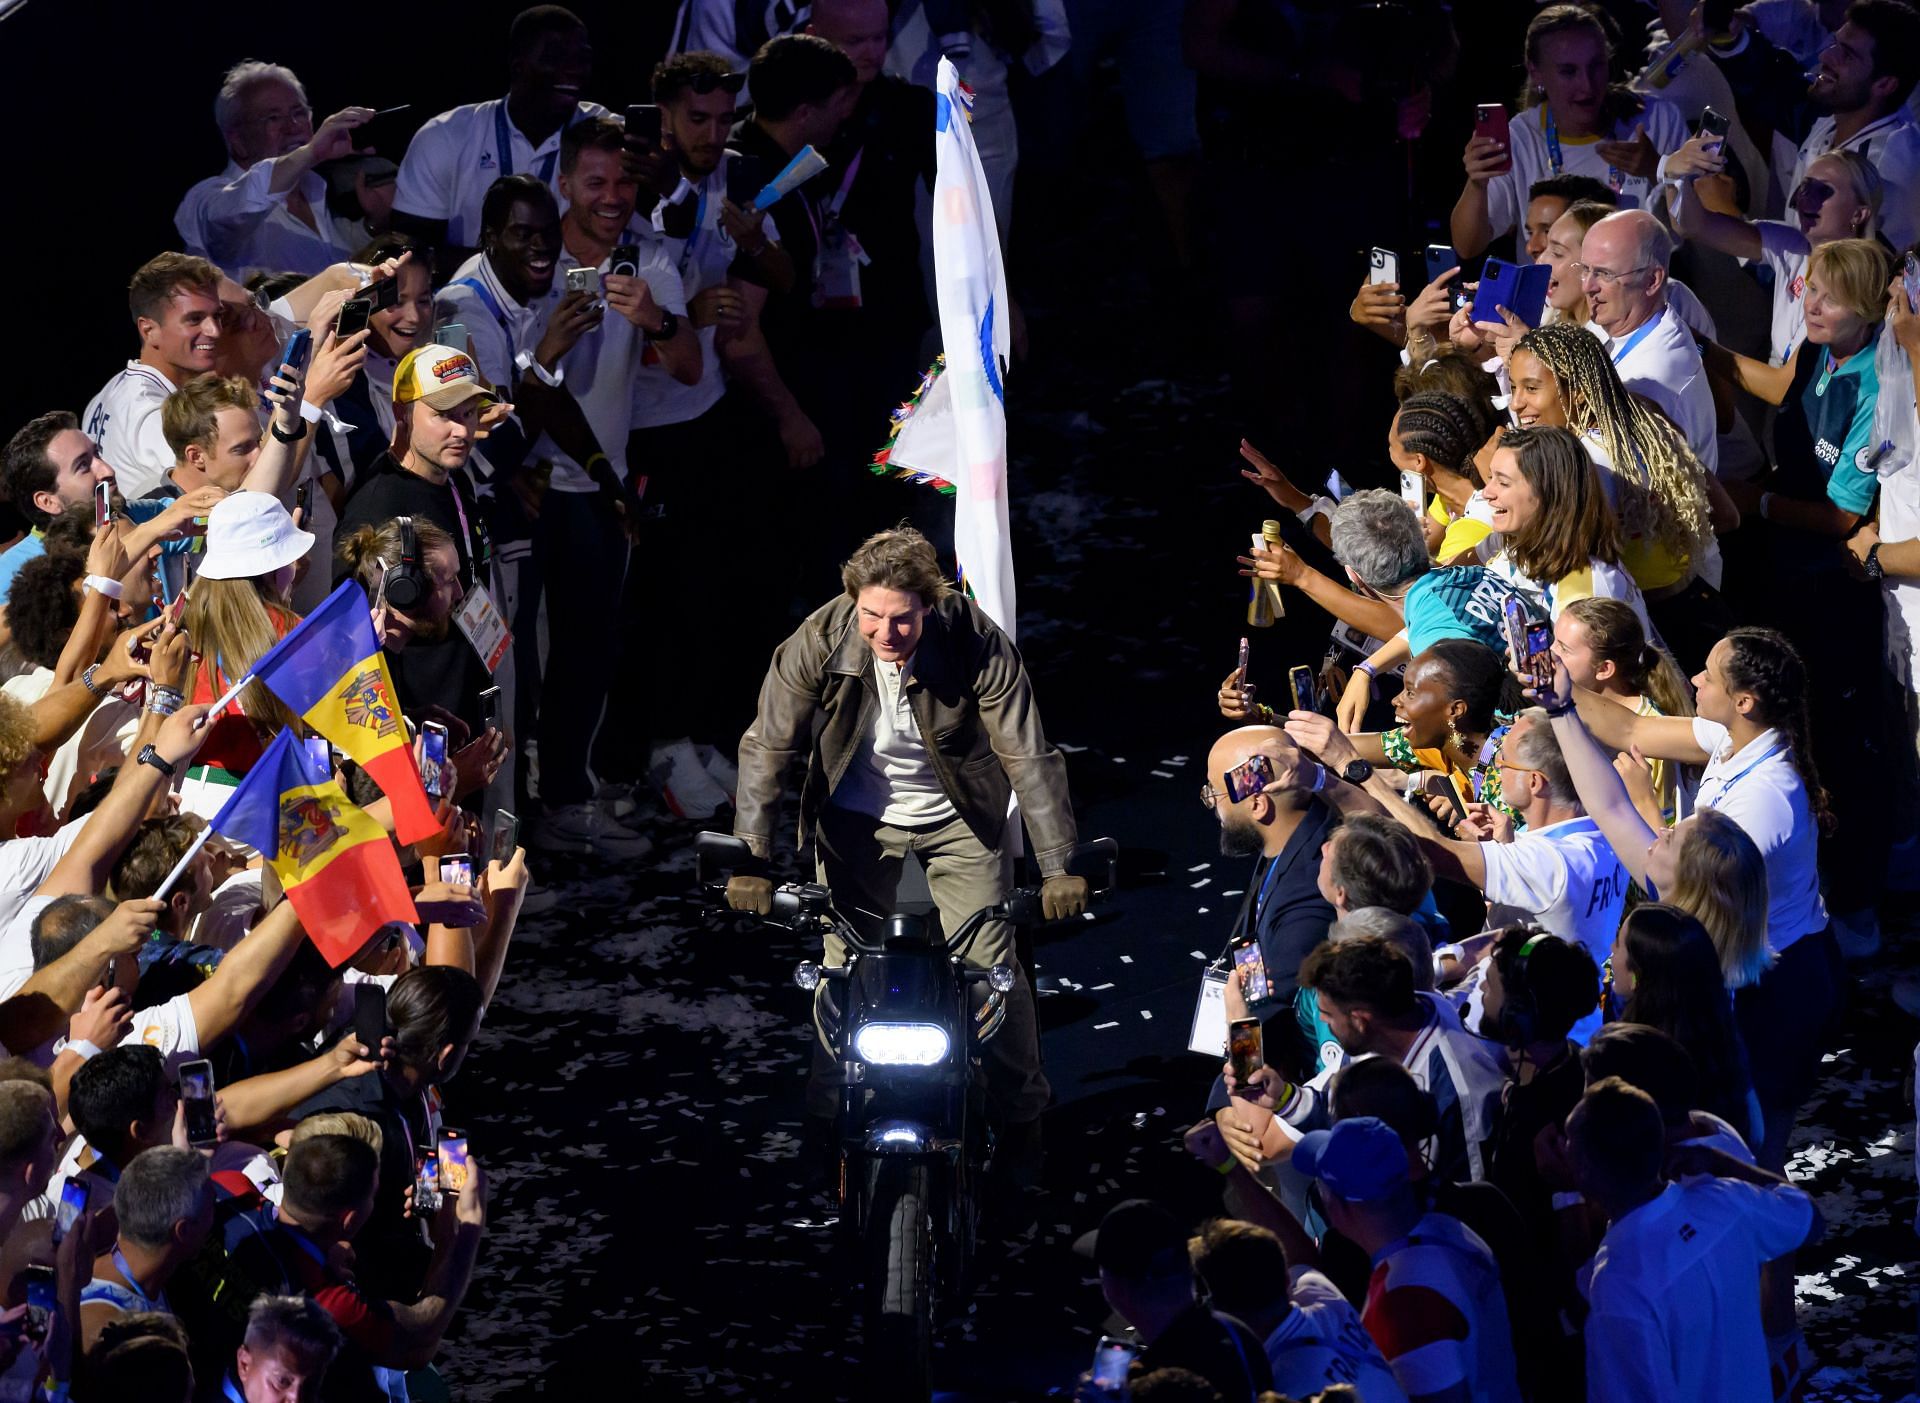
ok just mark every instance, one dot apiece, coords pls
pixel 338 866
pixel 331 671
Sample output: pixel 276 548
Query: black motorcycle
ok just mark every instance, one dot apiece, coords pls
pixel 905 1019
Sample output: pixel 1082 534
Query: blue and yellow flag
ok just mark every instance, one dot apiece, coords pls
pixel 338 866
pixel 331 671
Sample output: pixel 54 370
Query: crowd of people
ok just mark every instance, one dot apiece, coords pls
pixel 1558 858
pixel 1563 855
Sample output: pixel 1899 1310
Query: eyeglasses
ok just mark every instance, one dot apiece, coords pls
pixel 1209 796
pixel 292 116
pixel 1506 764
pixel 1584 271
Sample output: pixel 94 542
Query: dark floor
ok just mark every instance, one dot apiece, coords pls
pixel 637 1091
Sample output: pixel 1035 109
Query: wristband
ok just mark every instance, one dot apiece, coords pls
pixel 1766 500
pixel 1319 506
pixel 1223 1170
pixel 83 1049
pixel 101 584
pixel 86 680
pixel 1319 779
pixel 295 437
pixel 163 701
pixel 1551 711
pixel 310 411
pixel 550 378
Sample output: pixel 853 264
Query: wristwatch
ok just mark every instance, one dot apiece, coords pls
pixel 1872 562
pixel 86 680
pixel 149 756
pixel 669 324
pixel 1357 772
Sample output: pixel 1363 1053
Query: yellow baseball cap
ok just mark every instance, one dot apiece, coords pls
pixel 440 375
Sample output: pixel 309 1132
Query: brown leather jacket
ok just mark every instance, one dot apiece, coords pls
pixel 970 696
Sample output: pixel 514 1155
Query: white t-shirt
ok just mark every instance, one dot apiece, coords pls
pixel 1675 1294
pixel 454 158
pixel 1565 876
pixel 1532 162
pixel 1896 421
pixel 169 1028
pixel 1322 1342
pixel 1664 365
pixel 101 742
pixel 1784 248
pixel 1436 1309
pixel 1759 789
pixel 1893 145
pixel 124 420
pixel 24 864
pixel 891 777
pixel 1600 580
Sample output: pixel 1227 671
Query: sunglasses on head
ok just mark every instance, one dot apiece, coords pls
pixel 1811 192
pixel 704 83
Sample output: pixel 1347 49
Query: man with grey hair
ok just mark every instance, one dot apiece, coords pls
pixel 1624 275
pixel 268 208
pixel 164 1204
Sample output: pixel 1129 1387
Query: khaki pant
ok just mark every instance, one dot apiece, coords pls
pixel 858 859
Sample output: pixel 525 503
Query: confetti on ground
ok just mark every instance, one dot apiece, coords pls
pixel 1098 1026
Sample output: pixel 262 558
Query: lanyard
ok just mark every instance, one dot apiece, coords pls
pixel 1266 889
pixel 503 142
pixel 1827 367
pixel 492 306
pixel 846 184
pixel 1726 786
pixel 1625 348
pixel 151 1302
pixel 699 227
pixel 1552 130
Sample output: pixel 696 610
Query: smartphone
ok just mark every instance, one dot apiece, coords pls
pixel 102 504
pixel 452 334
pixel 369 1015
pixel 583 280
pixel 73 1202
pixel 303 501
pixel 1910 274
pixel 453 1163
pixel 433 746
pixel 426 1184
pixel 1440 786
pixel 490 709
pixel 383 131
pixel 1383 266
pixel 746 177
pixel 111 976
pixel 320 753
pixel 172 570
pixel 196 1099
pixel 1715 125
pixel 456 870
pixel 41 1298
pixel 382 294
pixel 1246 692
pixel 643 124
pixel 1490 120
pixel 1539 655
pixel 1247 956
pixel 1243 1048
pixel 624 260
pixel 506 835
pixel 1112 1359
pixel 355 312
pixel 1249 777
pixel 1513 617
pixel 1300 679
pixel 1519 287
pixel 299 347
pixel 1440 257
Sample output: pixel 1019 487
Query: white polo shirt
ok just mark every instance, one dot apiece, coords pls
pixel 1893 145
pixel 1675 1308
pixel 454 158
pixel 498 329
pixel 249 228
pixel 1664 365
pixel 1758 788
pixel 1533 162
pixel 1565 876
pixel 124 421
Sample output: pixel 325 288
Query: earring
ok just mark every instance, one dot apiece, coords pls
pixel 1453 737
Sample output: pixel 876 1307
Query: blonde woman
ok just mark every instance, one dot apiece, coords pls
pixel 1603 646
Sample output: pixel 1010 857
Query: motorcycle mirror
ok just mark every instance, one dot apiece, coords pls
pixel 720 851
pixel 1101 854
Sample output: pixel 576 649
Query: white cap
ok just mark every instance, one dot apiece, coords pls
pixel 250 534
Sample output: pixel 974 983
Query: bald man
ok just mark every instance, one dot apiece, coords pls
pixel 1623 271
pixel 1283 831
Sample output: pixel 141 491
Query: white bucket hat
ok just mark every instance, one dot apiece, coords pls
pixel 250 534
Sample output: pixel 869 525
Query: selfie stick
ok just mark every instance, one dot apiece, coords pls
pixel 221 705
pixel 199 842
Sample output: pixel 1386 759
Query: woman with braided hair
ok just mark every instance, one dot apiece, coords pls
pixel 1662 497
pixel 1435 437
pixel 1753 737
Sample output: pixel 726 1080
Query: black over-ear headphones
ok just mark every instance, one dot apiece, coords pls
pixel 1521 1012
pixel 407 586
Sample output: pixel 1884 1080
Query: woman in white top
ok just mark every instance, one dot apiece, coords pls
pixel 1838 198
pixel 1571 121
pixel 1752 736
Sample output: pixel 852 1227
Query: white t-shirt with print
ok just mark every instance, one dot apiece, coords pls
pixel 1758 788
pixel 1565 876
pixel 124 420
pixel 1532 162
pixel 1784 249
pixel 1323 1342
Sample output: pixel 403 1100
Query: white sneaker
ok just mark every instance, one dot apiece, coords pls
pixel 688 789
pixel 724 772
pixel 585 831
pixel 615 798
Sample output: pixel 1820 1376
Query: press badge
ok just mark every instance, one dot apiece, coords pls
pixel 483 626
pixel 839 264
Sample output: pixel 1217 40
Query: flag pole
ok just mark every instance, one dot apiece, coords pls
pixel 221 705
pixel 180 867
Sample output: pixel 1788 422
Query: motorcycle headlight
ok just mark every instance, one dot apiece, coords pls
pixel 901 1044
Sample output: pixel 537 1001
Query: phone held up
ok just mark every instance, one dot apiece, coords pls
pixel 1112 1359
pixel 1383 266
pixel 1249 777
pixel 433 757
pixel 73 1202
pixel 506 836
pixel 1253 984
pixel 1490 121
pixel 102 504
pixel 196 1100
pixel 1243 1049
pixel 1300 680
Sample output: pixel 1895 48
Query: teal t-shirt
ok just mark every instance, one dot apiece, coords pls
pixel 1837 405
pixel 1459 601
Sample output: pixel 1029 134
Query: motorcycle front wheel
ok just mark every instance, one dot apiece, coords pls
pixel 899 1278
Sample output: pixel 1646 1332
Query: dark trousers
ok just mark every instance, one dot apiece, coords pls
pixel 582 558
